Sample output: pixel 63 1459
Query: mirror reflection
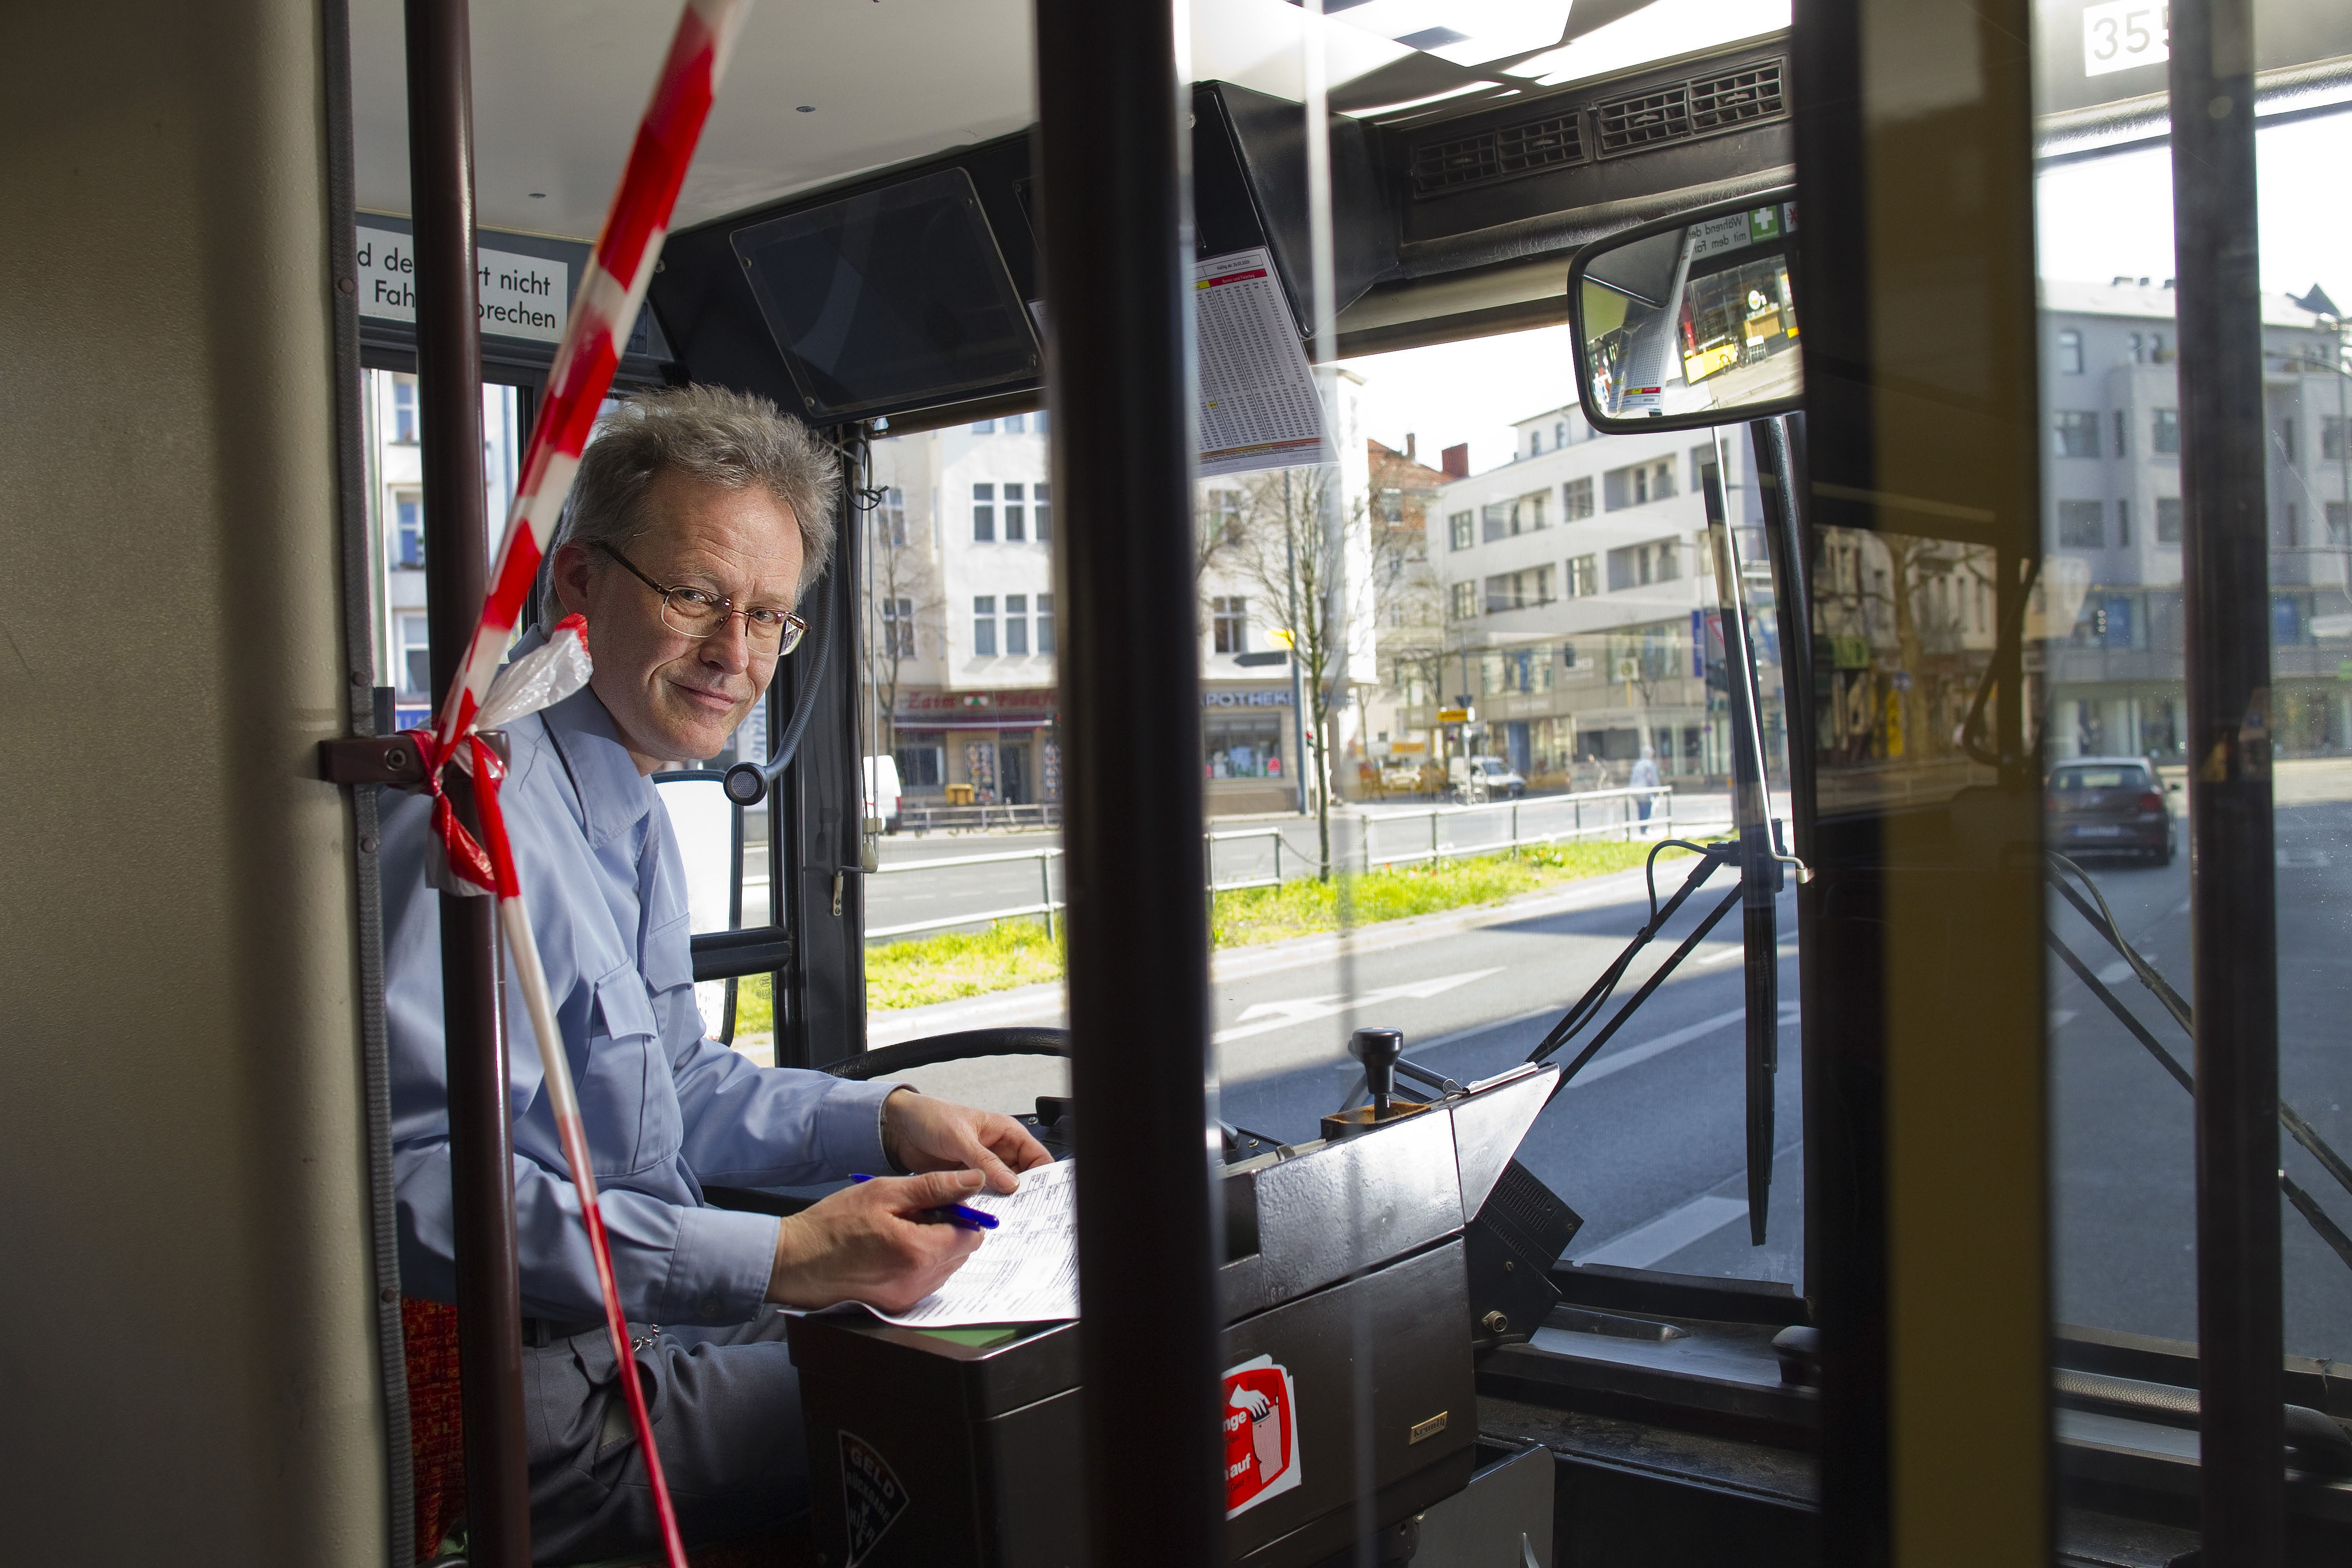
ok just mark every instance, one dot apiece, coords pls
pixel 1697 319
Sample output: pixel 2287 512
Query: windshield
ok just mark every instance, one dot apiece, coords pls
pixel 2112 685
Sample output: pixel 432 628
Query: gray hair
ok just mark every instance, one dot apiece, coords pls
pixel 728 438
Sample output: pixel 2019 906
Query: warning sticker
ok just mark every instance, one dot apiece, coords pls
pixel 1261 1434
pixel 871 1495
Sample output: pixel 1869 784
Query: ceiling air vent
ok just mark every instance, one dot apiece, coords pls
pixel 1504 152
pixel 1735 98
pixel 1644 120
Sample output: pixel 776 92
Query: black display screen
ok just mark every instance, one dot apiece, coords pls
pixel 888 299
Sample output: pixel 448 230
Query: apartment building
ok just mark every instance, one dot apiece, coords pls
pixel 1581 621
pixel 2111 466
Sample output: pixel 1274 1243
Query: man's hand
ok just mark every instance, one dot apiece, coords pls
pixel 869 1243
pixel 926 1134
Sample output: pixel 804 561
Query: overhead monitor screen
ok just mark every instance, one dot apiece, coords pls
pixel 891 299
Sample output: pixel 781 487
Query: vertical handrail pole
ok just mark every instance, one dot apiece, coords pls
pixel 1045 889
pixel 1113 207
pixel 456 566
pixel 2233 920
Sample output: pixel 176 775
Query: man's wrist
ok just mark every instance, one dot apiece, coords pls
pixel 890 1143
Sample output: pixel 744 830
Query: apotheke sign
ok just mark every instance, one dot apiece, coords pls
pixel 522 296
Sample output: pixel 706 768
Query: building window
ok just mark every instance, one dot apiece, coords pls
pixel 404 412
pixel 1241 747
pixel 1229 625
pixel 1041 513
pixel 415 656
pixel 2340 527
pixel 2286 440
pixel 1530 513
pixel 1011 424
pixel 1016 518
pixel 407 530
pixel 1225 516
pixel 1037 423
pixel 1576 499
pixel 890 519
pixel 2293 527
pixel 2331 438
pixel 2168 520
pixel 1495 520
pixel 1582 583
pixel 1466 601
pixel 1017 623
pixel 1044 619
pixel 919 766
pixel 2123 434
pixel 2167 432
pixel 2069 352
pixel 984 626
pixel 1638 565
pixel 983 514
pixel 2123 525
pixel 1560 434
pixel 2077 432
pixel 898 628
pixel 1638 485
pixel 1457 528
pixel 983 427
pixel 2081 524
pixel 1530 589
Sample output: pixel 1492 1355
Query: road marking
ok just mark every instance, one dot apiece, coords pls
pixel 2061 1017
pixel 1263 1017
pixel 1729 953
pixel 2304 859
pixel 1635 1055
pixel 2116 972
pixel 1646 1245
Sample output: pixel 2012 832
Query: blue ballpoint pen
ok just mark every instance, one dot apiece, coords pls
pixel 956 1215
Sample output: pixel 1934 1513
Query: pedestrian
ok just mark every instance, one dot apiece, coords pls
pixel 1645 776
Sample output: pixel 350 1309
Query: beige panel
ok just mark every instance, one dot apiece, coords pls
pixel 1947 128
pixel 187 1358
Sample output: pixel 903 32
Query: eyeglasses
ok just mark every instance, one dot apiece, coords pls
pixel 692 613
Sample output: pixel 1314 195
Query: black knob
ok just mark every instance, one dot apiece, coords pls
pixel 745 784
pixel 1379 1050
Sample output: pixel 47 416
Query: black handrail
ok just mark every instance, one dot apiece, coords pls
pixel 456 555
pixel 961 1046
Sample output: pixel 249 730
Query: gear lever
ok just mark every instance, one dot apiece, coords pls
pixel 1379 1050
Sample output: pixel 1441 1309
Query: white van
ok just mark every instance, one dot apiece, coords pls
pixel 882 791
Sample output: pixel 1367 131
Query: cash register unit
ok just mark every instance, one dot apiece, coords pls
pixel 1407 1234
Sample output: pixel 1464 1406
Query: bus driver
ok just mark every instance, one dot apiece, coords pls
pixel 697 519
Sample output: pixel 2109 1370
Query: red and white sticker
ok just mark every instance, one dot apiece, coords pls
pixel 1261 1434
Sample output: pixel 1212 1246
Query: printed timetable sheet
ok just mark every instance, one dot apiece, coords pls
pixel 1259 408
pixel 1026 1270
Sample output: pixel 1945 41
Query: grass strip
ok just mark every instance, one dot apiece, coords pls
pixel 924 970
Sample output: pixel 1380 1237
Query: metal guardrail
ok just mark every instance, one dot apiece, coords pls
pixel 926 817
pixel 1626 822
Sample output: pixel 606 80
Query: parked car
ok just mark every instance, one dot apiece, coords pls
pixel 1484 778
pixel 2111 806
pixel 882 797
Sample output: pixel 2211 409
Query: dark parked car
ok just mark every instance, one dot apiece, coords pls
pixel 2111 805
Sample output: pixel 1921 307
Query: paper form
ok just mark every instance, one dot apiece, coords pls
pixel 1026 1269
pixel 1259 407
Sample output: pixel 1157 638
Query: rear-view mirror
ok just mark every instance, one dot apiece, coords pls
pixel 1690 321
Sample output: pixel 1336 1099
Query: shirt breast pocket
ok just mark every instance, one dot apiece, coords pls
pixel 628 1100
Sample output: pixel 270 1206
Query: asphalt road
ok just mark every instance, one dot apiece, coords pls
pixel 2123 1143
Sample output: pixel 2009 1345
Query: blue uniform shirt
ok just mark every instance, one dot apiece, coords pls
pixel 665 1109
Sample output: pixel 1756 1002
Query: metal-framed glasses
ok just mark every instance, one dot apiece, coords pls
pixel 693 613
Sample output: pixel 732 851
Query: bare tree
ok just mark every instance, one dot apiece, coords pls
pixel 1290 543
pixel 902 600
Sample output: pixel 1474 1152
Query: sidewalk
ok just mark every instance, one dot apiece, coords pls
pixel 1044 1004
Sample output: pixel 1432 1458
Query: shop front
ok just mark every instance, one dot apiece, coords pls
pixel 1248 747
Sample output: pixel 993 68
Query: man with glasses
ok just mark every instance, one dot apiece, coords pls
pixel 698 520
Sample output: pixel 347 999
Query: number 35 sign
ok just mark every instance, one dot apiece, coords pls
pixel 2121 34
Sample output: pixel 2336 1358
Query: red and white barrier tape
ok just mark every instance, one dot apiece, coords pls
pixel 484 697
